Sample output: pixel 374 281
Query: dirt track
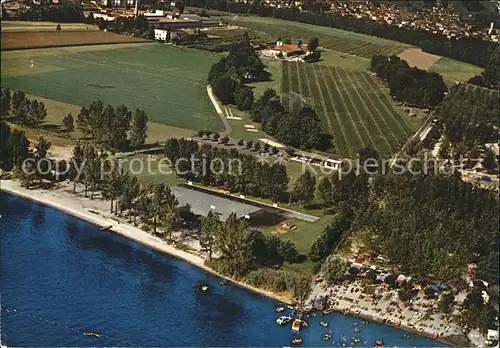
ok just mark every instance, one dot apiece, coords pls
pixel 418 58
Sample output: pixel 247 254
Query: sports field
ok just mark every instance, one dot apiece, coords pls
pixel 169 85
pixel 10 26
pixel 329 38
pixel 351 104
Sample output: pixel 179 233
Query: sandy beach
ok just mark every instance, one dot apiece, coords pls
pixel 96 211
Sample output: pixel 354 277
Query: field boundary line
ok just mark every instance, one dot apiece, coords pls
pixel 297 68
pixel 368 111
pixel 361 140
pixel 379 114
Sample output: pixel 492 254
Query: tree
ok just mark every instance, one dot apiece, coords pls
pixel 241 142
pixel 334 268
pixel 139 129
pixel 17 99
pixel 210 226
pixel 58 28
pixel 299 43
pixel 266 147
pixel 324 191
pixel 216 136
pixel 75 166
pixel 256 146
pixel 5 156
pixel 303 189
pixel 243 97
pixel 103 25
pixel 446 301
pixel 5 100
pixel 18 148
pixel 41 150
pixel 489 162
pixel 224 140
pixel 224 88
pixel 68 123
pixel 249 144
pixel 312 45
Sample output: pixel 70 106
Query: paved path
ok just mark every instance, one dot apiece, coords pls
pixel 227 127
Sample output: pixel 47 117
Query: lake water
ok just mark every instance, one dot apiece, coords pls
pixel 61 277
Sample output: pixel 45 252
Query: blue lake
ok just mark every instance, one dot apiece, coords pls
pixel 61 277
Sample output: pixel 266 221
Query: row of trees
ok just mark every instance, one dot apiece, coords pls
pixel 469 115
pixel 15 147
pixel 412 85
pixel 28 112
pixel 112 126
pixel 463 49
pixel 227 76
pixel 46 11
pixel 299 129
pixel 239 250
pixel 155 206
pixel 216 166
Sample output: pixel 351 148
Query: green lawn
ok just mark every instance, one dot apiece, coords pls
pixel 170 85
pixel 351 105
pixel 333 39
pixel 305 233
pixel 455 71
pixel 157 171
pixel 344 61
pixel 44 26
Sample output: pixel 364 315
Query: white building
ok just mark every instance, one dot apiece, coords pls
pixel 161 34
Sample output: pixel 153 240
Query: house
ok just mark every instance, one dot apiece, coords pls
pixel 317 160
pixel 284 51
pixel 161 34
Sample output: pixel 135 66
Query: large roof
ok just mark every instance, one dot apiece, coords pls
pixel 288 48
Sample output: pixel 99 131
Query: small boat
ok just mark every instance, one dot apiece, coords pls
pixel 204 288
pixel 397 323
pixel 379 343
pixel 224 282
pixel 357 312
pixel 297 340
pixel 279 309
pixel 327 337
pixel 296 325
pixel 346 310
pixel 304 323
pixel 323 323
pixel 91 334
pixel 435 336
pixel 290 307
pixel 356 340
pixel 356 329
pixel 327 311
pixel 406 337
pixel 283 320
pixel 105 228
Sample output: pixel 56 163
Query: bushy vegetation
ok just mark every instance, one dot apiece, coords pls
pixel 110 126
pixel 46 11
pixel 411 85
pixel 257 178
pixel 299 129
pixel 469 115
pixel 27 112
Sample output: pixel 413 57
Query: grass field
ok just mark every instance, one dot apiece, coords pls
pixel 169 85
pixel 329 38
pixel 352 106
pixel 40 39
pixel 455 71
pixel 11 26
pixel 157 172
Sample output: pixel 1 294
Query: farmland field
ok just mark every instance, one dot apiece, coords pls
pixel 455 71
pixel 40 39
pixel 351 105
pixel 169 85
pixel 329 38
pixel 8 26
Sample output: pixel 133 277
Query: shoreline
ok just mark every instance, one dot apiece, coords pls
pixel 125 230
pixel 72 205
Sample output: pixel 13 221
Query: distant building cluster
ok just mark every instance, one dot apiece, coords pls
pixel 437 20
